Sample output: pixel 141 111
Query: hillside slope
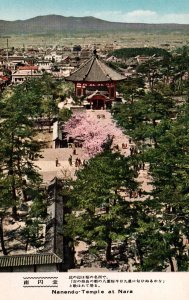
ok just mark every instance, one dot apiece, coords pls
pixel 57 23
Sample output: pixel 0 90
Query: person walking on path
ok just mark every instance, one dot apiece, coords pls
pixel 76 162
pixel 70 160
pixel 56 162
pixel 79 162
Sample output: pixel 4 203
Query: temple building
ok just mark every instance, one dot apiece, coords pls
pixel 95 83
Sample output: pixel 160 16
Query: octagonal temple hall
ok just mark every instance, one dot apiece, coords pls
pixel 95 83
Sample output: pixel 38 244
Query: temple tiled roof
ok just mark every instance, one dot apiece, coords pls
pixel 29 259
pixel 94 70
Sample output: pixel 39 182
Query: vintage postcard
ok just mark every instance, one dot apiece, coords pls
pixel 94 149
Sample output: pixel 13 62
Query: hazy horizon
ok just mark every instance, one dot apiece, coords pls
pixel 92 17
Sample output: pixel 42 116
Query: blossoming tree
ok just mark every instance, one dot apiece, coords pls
pixel 92 132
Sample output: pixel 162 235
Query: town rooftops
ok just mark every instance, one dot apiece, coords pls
pixel 26 73
pixel 31 68
pixel 94 70
pixel 4 78
pixel 29 259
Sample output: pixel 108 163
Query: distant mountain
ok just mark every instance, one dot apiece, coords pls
pixel 56 23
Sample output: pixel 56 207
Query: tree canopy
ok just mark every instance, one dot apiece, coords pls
pixel 133 52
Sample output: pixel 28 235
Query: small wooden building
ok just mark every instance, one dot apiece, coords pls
pixel 40 262
pixel 59 138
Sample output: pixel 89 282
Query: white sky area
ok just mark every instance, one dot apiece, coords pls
pixel 143 16
pixel 128 11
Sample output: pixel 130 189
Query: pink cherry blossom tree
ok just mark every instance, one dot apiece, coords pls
pixel 91 131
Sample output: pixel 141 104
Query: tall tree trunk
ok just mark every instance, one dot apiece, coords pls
pixel 108 249
pixel 26 246
pixel 24 195
pixel 49 119
pixel 108 240
pixel 140 252
pixel 21 180
pixel 155 142
pixel 14 208
pixel 2 237
pixel 12 173
pixel 154 122
pixel 171 264
pixel 14 212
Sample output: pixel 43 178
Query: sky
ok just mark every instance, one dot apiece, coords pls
pixel 128 11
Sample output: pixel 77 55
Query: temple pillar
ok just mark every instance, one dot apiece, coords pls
pixel 114 90
pixel 91 106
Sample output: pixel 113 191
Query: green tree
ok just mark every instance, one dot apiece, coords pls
pixel 98 187
pixel 18 148
pixel 30 234
pixel 49 109
pixel 146 118
pixel 169 169
pixel 64 115
pixel 151 72
pixel 160 224
pixel 5 204
pixel 133 52
pixel 132 88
